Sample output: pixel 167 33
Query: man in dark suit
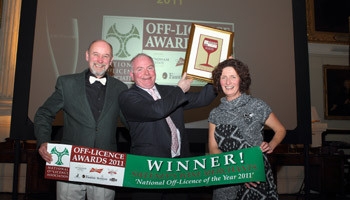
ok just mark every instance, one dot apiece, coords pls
pixel 148 106
pixel 89 101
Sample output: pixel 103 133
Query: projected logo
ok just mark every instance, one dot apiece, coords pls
pixel 125 34
pixel 123 39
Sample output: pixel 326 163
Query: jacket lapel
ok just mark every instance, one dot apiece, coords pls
pixel 163 92
pixel 142 92
pixel 109 98
pixel 81 97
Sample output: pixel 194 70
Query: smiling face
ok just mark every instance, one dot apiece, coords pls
pixel 143 72
pixel 99 56
pixel 229 81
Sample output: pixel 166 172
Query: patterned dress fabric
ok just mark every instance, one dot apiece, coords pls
pixel 239 124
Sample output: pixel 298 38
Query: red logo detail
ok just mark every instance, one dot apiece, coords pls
pixel 180 62
pixel 96 170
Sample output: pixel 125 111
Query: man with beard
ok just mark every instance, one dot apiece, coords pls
pixel 89 101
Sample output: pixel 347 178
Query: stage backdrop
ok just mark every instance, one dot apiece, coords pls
pixel 263 39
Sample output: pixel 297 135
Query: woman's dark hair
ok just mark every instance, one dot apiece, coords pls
pixel 241 69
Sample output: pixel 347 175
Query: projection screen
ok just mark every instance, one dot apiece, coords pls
pixel 263 39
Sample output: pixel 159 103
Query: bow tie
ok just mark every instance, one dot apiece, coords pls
pixel 92 80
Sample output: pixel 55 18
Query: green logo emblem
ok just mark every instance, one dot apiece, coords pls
pixel 59 155
pixel 123 39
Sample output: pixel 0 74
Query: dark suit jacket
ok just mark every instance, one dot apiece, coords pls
pixel 150 133
pixel 80 127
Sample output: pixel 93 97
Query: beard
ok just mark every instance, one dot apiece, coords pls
pixel 101 73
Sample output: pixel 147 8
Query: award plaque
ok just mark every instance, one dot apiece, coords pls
pixel 206 48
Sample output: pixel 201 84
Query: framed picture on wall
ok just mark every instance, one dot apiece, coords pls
pixel 336 89
pixel 328 21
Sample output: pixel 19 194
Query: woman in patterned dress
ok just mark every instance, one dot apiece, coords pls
pixel 237 123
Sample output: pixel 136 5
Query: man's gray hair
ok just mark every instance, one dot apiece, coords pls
pixel 137 56
pixel 99 41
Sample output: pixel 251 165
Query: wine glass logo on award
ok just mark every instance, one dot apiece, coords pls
pixel 209 50
pixel 210 46
pixel 206 47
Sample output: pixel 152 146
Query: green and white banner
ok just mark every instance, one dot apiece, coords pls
pixel 89 165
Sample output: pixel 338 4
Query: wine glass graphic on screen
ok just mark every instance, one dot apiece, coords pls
pixel 63 44
pixel 210 46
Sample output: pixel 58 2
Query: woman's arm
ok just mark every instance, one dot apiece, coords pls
pixel 280 133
